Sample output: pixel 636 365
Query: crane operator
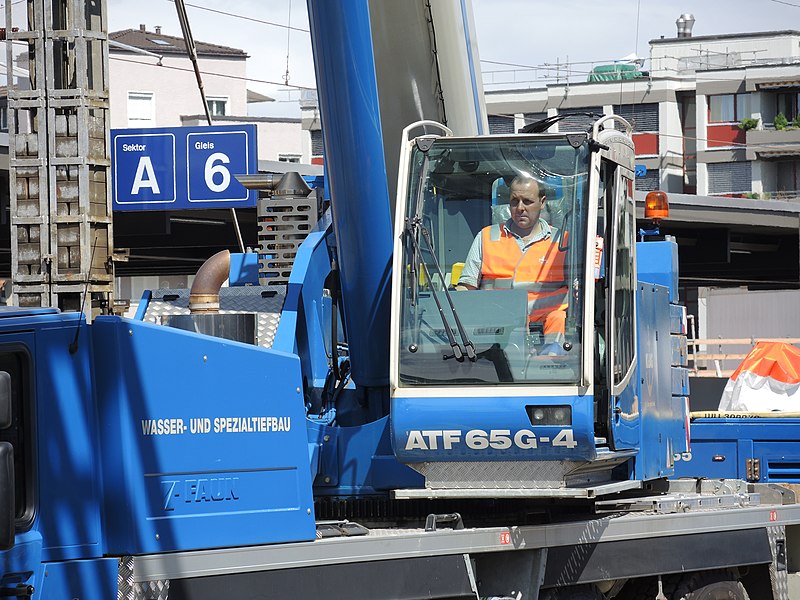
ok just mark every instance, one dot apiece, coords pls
pixel 522 253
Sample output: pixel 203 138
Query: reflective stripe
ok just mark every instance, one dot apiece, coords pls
pixel 548 286
pixel 548 302
pixel 507 283
pixel 504 283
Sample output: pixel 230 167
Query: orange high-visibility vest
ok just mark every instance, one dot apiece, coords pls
pixel 539 269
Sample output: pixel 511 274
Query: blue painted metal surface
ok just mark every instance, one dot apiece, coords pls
pixel 244 269
pixel 23 562
pixel 470 422
pixel 627 421
pixel 204 440
pixel 61 441
pixel 357 460
pixel 663 423
pixel 657 262
pixel 69 480
pixel 300 328
pixel 84 579
pixel 721 448
pixel 356 178
pixel 141 309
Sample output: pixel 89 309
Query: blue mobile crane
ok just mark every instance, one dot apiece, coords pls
pixel 398 438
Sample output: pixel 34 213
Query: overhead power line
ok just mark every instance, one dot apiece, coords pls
pixel 225 75
pixel 243 17
pixel 786 3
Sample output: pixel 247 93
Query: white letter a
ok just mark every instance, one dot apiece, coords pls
pixel 416 441
pixel 145 177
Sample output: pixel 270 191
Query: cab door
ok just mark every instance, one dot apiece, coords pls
pixel 624 417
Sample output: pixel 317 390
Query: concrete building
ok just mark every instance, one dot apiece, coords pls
pixel 704 113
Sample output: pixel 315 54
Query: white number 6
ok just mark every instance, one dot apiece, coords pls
pixel 213 169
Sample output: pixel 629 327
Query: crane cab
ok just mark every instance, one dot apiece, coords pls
pixel 514 364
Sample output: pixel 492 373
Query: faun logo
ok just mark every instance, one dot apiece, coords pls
pixel 212 489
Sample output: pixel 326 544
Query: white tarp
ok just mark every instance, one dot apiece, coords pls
pixel 767 380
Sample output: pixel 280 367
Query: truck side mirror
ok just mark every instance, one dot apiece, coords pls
pixel 5 400
pixel 7 496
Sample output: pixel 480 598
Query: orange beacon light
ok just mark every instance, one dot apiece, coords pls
pixel 656 206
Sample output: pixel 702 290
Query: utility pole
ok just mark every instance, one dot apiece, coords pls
pixel 59 166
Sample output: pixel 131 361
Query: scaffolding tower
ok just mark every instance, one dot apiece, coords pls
pixel 59 166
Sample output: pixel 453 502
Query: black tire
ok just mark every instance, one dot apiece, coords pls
pixel 703 585
pixel 715 585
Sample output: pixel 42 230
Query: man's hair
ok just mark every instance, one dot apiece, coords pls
pixel 524 179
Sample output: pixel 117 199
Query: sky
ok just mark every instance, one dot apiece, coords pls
pixel 511 33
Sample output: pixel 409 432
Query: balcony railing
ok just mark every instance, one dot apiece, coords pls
pixel 783 195
pixel 772 143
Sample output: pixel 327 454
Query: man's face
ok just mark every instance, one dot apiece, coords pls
pixel 525 205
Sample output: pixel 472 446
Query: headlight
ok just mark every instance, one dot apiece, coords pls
pixel 549 415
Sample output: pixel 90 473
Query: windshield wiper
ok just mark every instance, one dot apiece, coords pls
pixel 458 353
pixel 469 347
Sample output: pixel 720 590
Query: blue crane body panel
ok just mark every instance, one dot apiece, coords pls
pixel 204 440
pixel 756 449
pixel 499 428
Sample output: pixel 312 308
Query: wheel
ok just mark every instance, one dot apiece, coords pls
pixel 703 585
pixel 710 586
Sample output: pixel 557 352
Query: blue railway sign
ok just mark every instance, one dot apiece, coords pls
pixel 182 167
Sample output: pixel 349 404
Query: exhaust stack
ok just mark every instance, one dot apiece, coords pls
pixel 204 295
pixel 685 23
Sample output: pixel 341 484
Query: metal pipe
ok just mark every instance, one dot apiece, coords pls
pixel 258 181
pixel 204 294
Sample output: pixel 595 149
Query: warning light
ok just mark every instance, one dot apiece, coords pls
pixel 656 206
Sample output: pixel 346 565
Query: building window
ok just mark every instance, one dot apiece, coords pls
pixel 217 106
pixel 730 178
pixel 289 158
pixel 530 118
pixel 534 117
pixel 501 124
pixel 579 119
pixel 788 179
pixel 788 104
pixel 317 148
pixel 141 109
pixel 3 118
pixel 643 117
pixel 649 182
pixel 728 108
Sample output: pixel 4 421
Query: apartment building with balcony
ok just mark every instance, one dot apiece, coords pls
pixel 703 112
